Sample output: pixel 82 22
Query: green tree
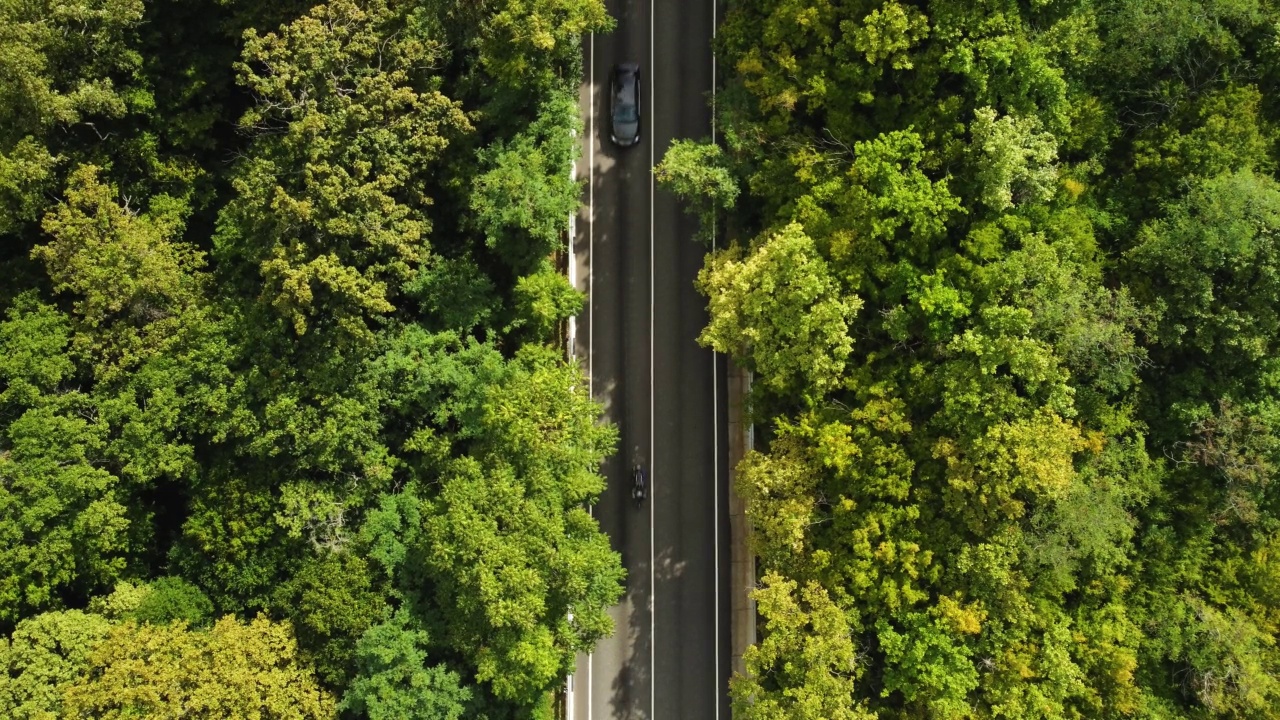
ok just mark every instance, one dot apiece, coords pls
pixel 393 680
pixel 133 280
pixel 63 524
pixel 781 492
pixel 348 128
pixel 454 294
pixel 528 41
pixel 1015 160
pixel 522 199
pixel 804 666
pixel 509 547
pixel 232 546
pixel 781 310
pixel 45 655
pixel 233 669
pixel 1214 262
pixel 172 599
pixel 54 78
pixel 332 601
pixel 543 300
pixel 696 173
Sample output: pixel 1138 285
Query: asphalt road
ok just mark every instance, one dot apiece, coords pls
pixel 636 259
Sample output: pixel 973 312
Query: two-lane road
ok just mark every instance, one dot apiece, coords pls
pixel 636 259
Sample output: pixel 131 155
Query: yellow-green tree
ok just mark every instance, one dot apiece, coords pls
pixel 805 664
pixel 232 670
pixel 45 655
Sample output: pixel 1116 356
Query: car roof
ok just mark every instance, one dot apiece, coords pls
pixel 625 84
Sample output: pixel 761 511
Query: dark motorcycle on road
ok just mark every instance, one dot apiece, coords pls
pixel 638 489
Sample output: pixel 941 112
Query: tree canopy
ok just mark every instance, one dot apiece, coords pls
pixel 285 430
pixel 1004 276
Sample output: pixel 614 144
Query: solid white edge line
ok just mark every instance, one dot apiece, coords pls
pixel 653 459
pixel 715 405
pixel 591 295
pixel 573 357
pixel 591 221
pixel 573 269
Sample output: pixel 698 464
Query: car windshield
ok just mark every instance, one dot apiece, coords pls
pixel 625 113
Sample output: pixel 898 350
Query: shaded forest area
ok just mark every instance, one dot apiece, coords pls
pixel 284 429
pixel 1007 275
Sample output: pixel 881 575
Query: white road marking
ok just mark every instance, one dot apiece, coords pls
pixel 715 400
pixel 653 458
pixel 591 295
pixel 591 217
pixel 572 259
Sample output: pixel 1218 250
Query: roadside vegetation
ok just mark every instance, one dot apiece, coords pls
pixel 1007 275
pixel 284 428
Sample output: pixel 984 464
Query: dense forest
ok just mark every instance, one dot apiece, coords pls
pixel 285 429
pixel 1006 274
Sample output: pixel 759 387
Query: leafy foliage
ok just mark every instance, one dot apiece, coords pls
pixel 782 309
pixel 64 525
pixel 73 664
pixel 352 126
pixel 393 681
pixel 1033 476
pixel 523 196
pixel 507 539
pixel 46 654
pixel 59 79
pixel 172 599
pixel 232 670
pixel 697 173
pixel 279 306
pixel 807 661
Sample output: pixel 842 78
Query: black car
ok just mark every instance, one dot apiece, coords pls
pixel 624 110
